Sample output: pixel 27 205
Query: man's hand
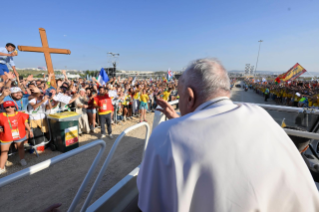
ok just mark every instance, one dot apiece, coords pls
pixel 45 98
pixel 30 78
pixel 31 134
pixel 24 83
pixel 12 54
pixel 167 109
pixel 6 91
pixel 10 75
pixel 36 90
pixel 59 83
pixel 63 72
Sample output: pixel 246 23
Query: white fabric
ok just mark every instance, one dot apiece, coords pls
pixel 63 98
pixel 15 90
pixel 53 110
pixel 224 158
pixel 113 93
pixel 38 113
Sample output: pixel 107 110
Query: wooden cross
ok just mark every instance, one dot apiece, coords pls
pixel 47 51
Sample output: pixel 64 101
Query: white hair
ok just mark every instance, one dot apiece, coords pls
pixel 207 77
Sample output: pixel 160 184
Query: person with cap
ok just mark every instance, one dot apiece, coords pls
pixel 13 125
pixel 81 105
pixel 20 100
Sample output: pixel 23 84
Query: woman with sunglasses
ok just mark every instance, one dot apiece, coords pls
pixel 13 127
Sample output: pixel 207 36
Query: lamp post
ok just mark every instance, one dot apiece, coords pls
pixel 257 57
pixel 114 61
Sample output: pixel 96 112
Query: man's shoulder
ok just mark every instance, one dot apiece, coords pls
pixel 7 98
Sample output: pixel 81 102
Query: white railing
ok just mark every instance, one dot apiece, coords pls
pixel 160 117
pixel 109 157
pixel 285 108
pixel 48 163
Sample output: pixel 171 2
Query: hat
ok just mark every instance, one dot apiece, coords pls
pixel 82 89
pixel 15 90
pixel 8 103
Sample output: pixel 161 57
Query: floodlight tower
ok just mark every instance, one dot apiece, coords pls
pixel 114 56
pixel 260 41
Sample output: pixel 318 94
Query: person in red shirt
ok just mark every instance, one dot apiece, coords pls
pixel 12 129
pixel 105 108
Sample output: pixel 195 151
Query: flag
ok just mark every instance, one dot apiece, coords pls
pixel 103 77
pixel 283 124
pixel 133 81
pixel 87 77
pixel 151 79
pixel 169 74
pixel 263 79
pixel 293 73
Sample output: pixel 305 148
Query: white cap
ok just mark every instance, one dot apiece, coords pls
pixel 15 90
pixel 298 94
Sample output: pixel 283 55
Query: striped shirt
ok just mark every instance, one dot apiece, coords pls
pixel 6 59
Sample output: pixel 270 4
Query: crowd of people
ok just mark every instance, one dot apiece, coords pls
pixel 295 93
pixel 30 100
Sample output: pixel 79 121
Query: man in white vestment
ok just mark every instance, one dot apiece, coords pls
pixel 219 156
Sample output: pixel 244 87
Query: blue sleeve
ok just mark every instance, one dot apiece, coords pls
pixel 7 98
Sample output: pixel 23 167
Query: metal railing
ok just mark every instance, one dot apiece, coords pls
pixel 109 157
pixel 160 117
pixel 47 163
pixel 285 108
pixel 116 188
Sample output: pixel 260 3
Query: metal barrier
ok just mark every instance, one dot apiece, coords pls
pixel 109 157
pixel 285 108
pixel 160 117
pixel 46 164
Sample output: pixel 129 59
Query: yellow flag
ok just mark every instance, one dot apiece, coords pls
pixel 283 124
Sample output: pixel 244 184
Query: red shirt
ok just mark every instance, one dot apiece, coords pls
pixel 104 104
pixel 17 122
pixel 90 104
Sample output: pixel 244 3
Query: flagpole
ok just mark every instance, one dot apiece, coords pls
pixel 257 57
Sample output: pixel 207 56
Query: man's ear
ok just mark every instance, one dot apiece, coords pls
pixel 190 98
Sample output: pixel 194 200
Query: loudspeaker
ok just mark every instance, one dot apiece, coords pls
pixel 111 72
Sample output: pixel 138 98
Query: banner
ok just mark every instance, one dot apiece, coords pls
pixel 71 135
pixel 291 74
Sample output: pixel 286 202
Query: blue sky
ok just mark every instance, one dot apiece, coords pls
pixel 154 35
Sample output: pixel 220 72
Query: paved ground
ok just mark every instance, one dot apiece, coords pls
pixel 59 183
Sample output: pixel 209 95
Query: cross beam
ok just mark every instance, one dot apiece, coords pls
pixel 47 53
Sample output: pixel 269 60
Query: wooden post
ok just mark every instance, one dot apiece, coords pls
pixel 47 53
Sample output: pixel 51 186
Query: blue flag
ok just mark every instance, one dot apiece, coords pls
pixel 103 77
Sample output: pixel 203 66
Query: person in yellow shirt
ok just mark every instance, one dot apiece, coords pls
pixel 166 94
pixel 143 105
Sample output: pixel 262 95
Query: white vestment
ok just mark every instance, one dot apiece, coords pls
pixel 225 157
